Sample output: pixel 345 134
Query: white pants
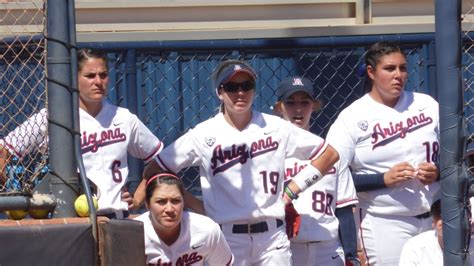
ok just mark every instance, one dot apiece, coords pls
pixel 268 248
pixel 383 236
pixel 318 253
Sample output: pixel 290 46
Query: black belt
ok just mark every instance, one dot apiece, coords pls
pixel 253 228
pixel 423 215
pixel 113 215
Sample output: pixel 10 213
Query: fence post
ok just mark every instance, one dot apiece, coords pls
pixel 450 95
pixel 64 181
pixel 134 176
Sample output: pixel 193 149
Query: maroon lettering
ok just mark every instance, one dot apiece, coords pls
pixel 293 171
pixel 383 135
pixel 90 142
pixel 223 159
pixel 184 260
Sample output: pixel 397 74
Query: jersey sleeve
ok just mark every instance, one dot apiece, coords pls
pixel 143 143
pixel 303 144
pixel 346 192
pixel 28 136
pixel 220 251
pixel 341 138
pixel 182 153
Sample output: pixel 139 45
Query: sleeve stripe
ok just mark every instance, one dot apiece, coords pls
pixel 161 163
pixel 156 150
pixel 319 151
pixel 346 202
pixel 11 148
pixel 230 260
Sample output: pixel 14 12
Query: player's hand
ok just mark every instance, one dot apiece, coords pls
pixel 398 173
pixel 352 262
pixel 127 197
pixel 286 199
pixel 293 221
pixel 4 159
pixel 3 176
pixel 427 173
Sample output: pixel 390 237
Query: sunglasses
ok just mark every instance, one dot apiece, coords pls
pixel 234 86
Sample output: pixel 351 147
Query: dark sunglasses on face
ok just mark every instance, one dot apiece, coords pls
pixel 234 86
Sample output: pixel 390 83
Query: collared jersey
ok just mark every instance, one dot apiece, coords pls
pixel 317 204
pixel 200 240
pixel 242 172
pixel 374 137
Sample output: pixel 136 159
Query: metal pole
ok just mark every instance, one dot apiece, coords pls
pixel 75 110
pixel 134 164
pixel 64 182
pixel 453 182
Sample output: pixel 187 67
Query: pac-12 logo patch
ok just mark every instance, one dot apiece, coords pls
pixel 210 141
pixel 363 125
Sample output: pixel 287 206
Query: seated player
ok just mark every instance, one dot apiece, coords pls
pixel 177 237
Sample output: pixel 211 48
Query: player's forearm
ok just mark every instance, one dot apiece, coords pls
pixel 326 161
pixel 139 195
pixel 347 231
pixel 151 169
pixel 4 159
pixel 315 171
pixel 193 203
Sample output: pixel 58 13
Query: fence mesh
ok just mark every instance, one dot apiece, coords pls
pixel 175 88
pixel 468 68
pixel 23 95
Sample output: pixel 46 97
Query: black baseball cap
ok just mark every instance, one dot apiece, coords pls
pixel 229 69
pixel 294 84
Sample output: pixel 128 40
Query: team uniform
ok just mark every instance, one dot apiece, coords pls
pixel 200 241
pixel 242 174
pixel 424 249
pixel 317 242
pixel 29 136
pixel 105 141
pixel 375 137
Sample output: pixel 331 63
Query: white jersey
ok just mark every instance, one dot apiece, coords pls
pixel 242 172
pixel 105 141
pixel 318 203
pixel 200 241
pixel 374 137
pixel 31 135
pixel 422 249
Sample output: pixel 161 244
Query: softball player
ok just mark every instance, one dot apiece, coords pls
pixel 427 247
pixel 324 204
pixel 241 155
pixel 108 132
pixel 393 135
pixel 177 237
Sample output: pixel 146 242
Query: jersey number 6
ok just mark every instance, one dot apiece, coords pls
pixel 116 174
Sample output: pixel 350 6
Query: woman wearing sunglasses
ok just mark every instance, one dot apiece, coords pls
pixel 241 154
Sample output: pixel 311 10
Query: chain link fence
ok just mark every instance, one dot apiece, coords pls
pixel 468 68
pixel 173 86
pixel 23 95
pixel 175 91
